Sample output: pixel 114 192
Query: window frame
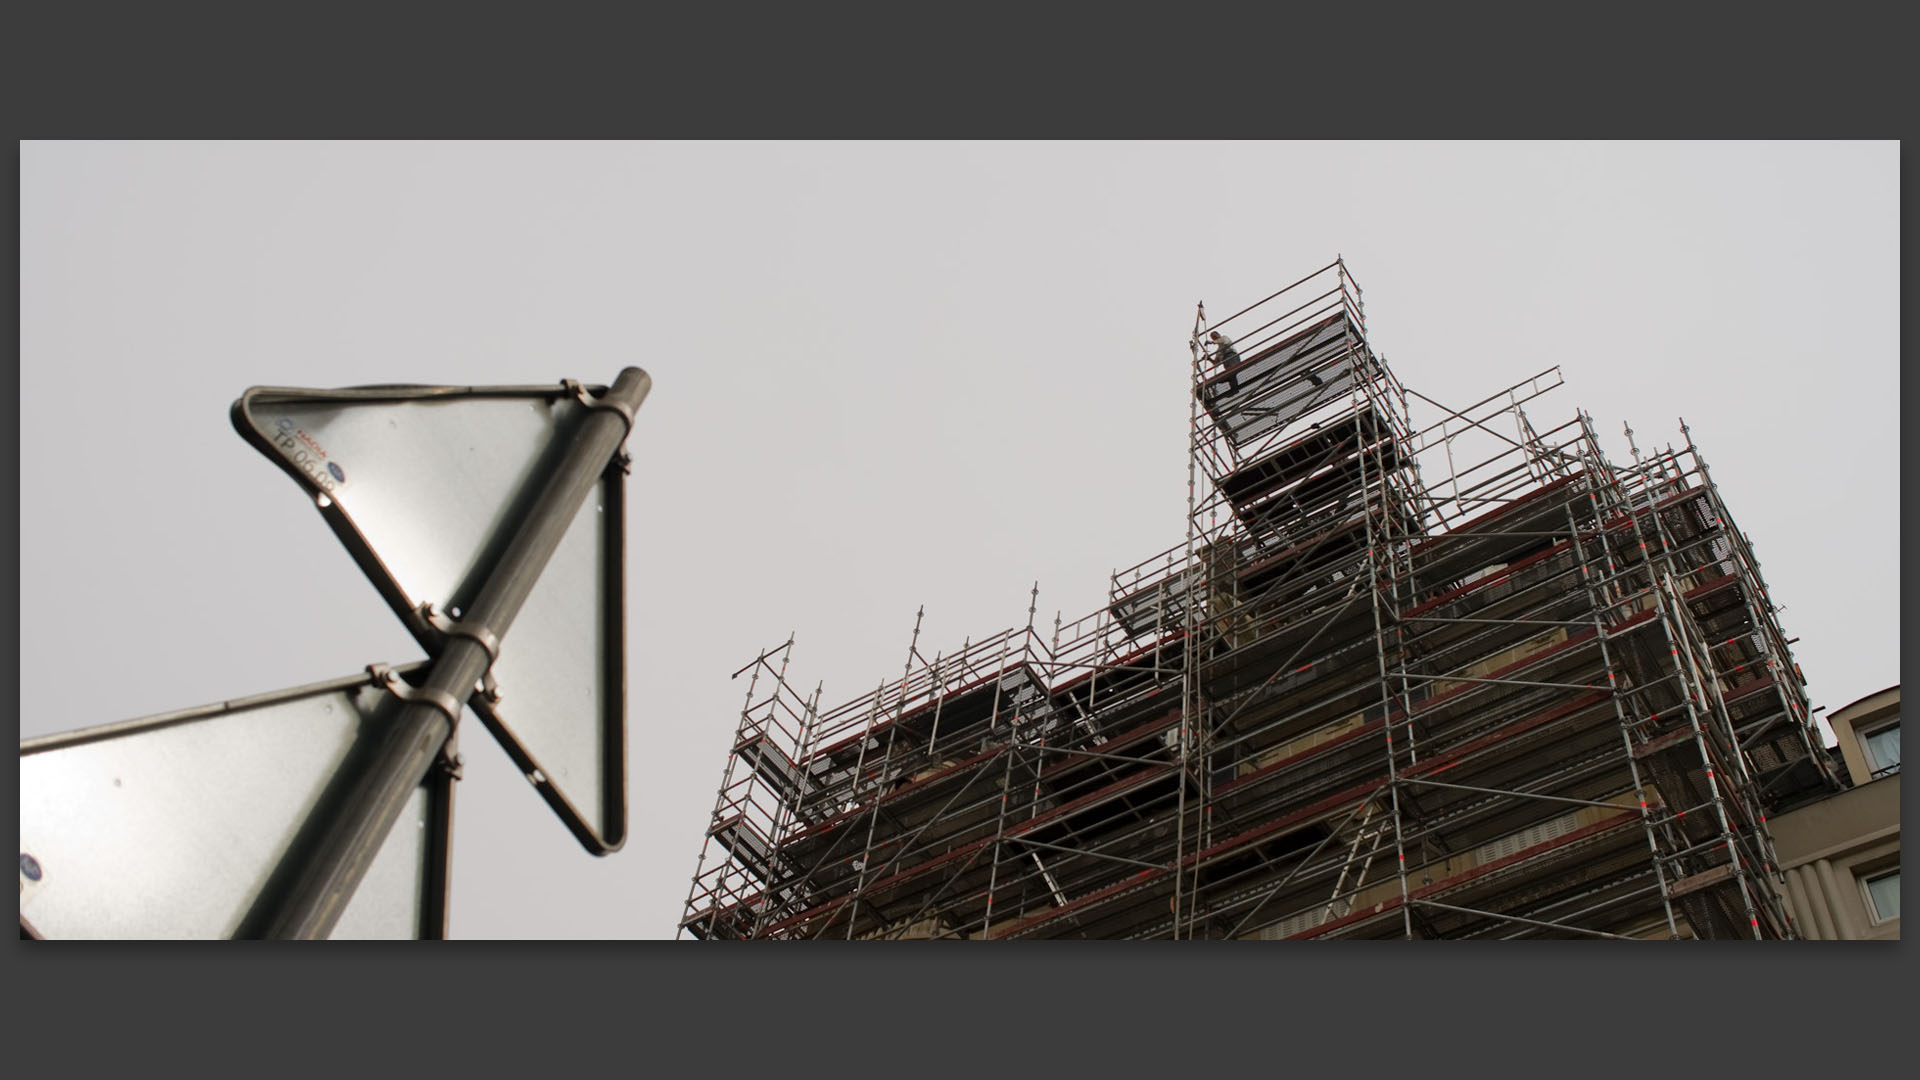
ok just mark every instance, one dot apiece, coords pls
pixel 1866 750
pixel 1866 893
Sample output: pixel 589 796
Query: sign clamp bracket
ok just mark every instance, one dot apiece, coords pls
pixel 579 392
pixel 604 401
pixel 384 676
pixel 479 635
pixel 449 760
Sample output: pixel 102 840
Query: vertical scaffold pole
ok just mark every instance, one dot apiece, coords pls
pixel 1006 788
pixel 1375 582
pixel 1190 603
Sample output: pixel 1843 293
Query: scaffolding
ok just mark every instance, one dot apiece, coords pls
pixel 1459 679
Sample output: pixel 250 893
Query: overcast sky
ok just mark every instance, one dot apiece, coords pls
pixel 885 375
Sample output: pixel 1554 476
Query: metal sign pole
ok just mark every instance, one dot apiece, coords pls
pixel 320 892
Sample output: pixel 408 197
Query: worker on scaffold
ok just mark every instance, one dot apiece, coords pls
pixel 1224 355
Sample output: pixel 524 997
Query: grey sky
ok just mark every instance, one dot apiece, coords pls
pixel 885 375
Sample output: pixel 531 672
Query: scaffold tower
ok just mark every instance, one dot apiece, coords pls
pixel 1412 672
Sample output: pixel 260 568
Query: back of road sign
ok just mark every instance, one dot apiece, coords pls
pixel 182 825
pixel 426 486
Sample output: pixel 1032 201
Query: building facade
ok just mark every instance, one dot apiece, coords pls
pixel 1840 853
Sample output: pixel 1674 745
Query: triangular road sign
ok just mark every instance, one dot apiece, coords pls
pixel 426 486
pixel 189 824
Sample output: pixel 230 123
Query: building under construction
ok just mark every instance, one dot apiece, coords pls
pixel 1385 687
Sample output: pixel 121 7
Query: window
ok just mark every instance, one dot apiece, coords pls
pixel 1883 749
pixel 1883 896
